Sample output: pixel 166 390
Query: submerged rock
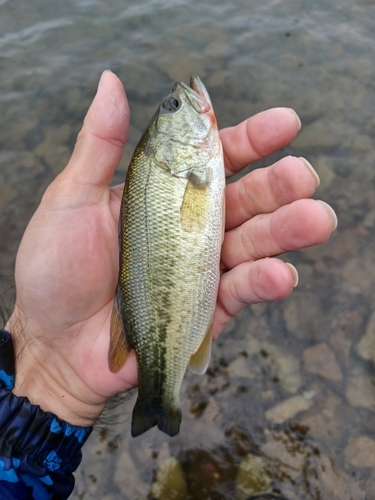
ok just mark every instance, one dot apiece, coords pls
pixel 283 366
pixel 288 409
pixel 360 452
pixel 366 346
pixel 252 477
pixel 170 483
pixel 320 359
pixel 360 391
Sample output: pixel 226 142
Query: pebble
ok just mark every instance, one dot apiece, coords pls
pixel 288 409
pixel 342 345
pixel 283 366
pixel 360 390
pixel 360 452
pixel 324 169
pixel 362 143
pixel 258 309
pixel 303 315
pixel 334 483
pixel 322 427
pixel 366 346
pixel 357 274
pixel 320 359
pixel 170 483
pixel 240 368
pixel 252 477
pixel 278 450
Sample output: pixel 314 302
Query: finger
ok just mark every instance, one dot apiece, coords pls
pixel 249 283
pixel 100 143
pixel 266 189
pixel 301 224
pixel 258 137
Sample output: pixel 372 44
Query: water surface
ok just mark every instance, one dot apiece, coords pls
pixel 288 402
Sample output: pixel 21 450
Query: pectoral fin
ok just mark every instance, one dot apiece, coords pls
pixel 198 362
pixel 119 348
pixel 194 208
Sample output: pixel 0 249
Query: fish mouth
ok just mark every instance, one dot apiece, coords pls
pixel 196 94
pixel 196 84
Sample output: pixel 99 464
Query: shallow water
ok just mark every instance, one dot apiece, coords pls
pixel 288 402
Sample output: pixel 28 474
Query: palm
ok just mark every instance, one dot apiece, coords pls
pixel 72 277
pixel 68 286
pixel 67 264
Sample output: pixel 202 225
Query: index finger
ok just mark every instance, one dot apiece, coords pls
pixel 258 137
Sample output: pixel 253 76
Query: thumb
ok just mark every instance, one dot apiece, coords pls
pixel 100 143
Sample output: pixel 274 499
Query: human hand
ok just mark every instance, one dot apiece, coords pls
pixel 67 263
pixel 269 212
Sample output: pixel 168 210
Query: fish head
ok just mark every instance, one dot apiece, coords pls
pixel 184 126
pixel 187 111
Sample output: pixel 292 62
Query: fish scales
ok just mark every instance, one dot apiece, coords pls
pixel 171 231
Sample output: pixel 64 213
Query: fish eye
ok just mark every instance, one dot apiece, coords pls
pixel 171 104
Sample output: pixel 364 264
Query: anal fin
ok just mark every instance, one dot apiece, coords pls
pixel 119 348
pixel 198 362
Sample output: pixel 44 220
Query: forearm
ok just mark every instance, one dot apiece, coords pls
pixel 38 451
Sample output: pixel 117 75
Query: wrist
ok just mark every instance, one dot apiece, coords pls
pixel 36 447
pixel 42 382
pixel 48 380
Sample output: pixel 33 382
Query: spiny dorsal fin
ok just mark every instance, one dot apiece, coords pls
pixel 198 362
pixel 119 348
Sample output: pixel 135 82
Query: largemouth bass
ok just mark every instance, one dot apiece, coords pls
pixel 171 231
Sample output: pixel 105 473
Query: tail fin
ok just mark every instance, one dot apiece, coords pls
pixel 167 419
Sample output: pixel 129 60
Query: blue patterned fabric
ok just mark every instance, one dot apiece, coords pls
pixel 38 451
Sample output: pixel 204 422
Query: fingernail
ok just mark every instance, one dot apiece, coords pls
pixel 297 118
pixel 331 213
pixel 294 273
pixel 102 77
pixel 311 170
